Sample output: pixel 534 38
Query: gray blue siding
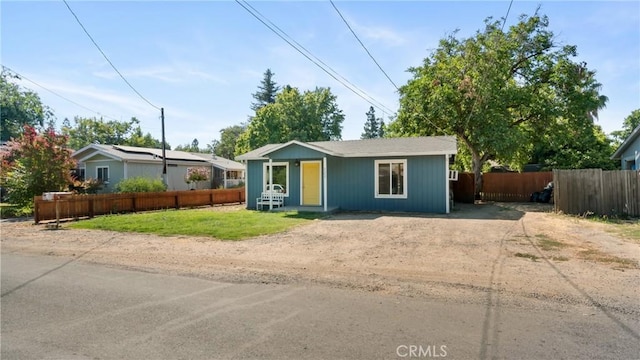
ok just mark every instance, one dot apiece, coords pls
pixel 351 182
pixel 351 185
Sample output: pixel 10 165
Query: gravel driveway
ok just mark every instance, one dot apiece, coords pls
pixel 514 254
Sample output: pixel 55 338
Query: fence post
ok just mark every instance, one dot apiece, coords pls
pixel 177 200
pixel 211 197
pixel 133 202
pixel 36 218
pixel 91 199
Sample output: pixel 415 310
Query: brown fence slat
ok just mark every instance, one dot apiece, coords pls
pixel 585 191
pixel 513 187
pixel 77 206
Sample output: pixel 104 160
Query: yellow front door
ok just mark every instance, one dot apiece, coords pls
pixel 310 182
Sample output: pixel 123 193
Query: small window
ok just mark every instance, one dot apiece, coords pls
pixel 391 179
pixel 102 174
pixel 280 177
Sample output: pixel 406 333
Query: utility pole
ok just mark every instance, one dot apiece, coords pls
pixel 164 154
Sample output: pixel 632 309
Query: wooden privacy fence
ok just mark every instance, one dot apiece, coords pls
pixel 76 206
pixel 595 191
pixel 507 187
pixel 513 187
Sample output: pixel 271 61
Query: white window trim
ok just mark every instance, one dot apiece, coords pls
pixel 265 175
pixel 404 179
pixel 108 173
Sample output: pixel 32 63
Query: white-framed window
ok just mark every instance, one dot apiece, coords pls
pixel 391 178
pixel 280 177
pixel 102 174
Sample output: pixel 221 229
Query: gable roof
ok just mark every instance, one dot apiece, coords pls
pixel 406 146
pixel 140 154
pixel 626 143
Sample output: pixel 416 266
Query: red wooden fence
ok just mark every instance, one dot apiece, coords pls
pixel 77 206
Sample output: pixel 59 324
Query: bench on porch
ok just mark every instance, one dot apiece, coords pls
pixel 270 197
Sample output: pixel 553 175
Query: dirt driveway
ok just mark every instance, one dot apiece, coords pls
pixel 478 253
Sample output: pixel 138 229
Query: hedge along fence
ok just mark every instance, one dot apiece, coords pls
pixel 581 192
pixel 77 206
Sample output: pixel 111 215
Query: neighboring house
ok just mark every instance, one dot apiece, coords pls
pixel 399 174
pixel 629 151
pixel 112 163
pixel 226 173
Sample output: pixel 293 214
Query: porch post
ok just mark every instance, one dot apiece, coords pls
pixel 224 178
pixel 446 176
pixel 270 184
pixel 324 181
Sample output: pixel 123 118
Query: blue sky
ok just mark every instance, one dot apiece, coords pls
pixel 202 60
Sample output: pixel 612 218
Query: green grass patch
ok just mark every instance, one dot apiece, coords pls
pixel 546 243
pixel 628 230
pixel 232 225
pixel 527 256
pixel 599 256
pixel 620 225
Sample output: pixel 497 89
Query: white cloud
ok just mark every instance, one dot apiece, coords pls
pixel 379 33
pixel 177 73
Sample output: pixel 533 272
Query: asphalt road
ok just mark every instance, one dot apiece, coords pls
pixel 60 308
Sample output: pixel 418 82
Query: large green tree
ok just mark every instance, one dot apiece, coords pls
pixel 33 163
pixel 309 116
pixel 498 92
pixel 266 93
pixel 20 107
pixel 87 131
pixel 226 147
pixel 630 122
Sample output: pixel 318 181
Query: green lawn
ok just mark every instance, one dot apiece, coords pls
pixel 232 225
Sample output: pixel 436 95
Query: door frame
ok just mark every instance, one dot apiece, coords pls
pixel 319 162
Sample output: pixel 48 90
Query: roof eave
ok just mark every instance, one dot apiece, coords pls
pixel 625 144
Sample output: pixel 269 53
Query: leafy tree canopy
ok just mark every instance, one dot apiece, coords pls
pixel 309 116
pixel 630 122
pixel 35 163
pixel 499 92
pixel 87 131
pixel 20 107
pixel 193 147
pixel 227 145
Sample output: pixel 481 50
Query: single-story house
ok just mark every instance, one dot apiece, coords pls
pixel 629 151
pixel 112 163
pixel 396 174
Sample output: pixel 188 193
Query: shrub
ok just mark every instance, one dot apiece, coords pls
pixel 140 184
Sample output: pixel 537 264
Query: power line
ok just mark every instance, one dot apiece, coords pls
pixel 363 46
pixel 308 54
pixel 105 56
pixel 56 94
pixel 270 25
pixel 506 16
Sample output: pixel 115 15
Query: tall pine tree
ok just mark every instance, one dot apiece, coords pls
pixel 373 127
pixel 266 93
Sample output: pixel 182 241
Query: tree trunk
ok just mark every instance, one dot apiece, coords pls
pixel 476 164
